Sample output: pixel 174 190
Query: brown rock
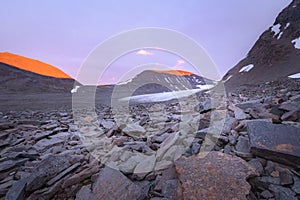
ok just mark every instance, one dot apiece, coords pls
pixel 214 176
pixel 277 142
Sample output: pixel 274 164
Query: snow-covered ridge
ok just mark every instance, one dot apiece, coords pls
pixel 295 75
pixel 246 68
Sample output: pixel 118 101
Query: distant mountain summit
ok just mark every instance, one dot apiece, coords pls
pixel 156 81
pixel 21 75
pixel 31 65
pixel 276 54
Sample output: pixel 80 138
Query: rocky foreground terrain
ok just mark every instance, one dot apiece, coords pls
pixel 157 151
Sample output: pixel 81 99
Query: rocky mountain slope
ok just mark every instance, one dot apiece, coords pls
pixel 18 81
pixel 275 54
pixel 29 64
pixel 50 155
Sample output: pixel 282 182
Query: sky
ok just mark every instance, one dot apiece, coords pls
pixel 63 33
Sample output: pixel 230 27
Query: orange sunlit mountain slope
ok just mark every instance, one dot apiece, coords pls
pixel 174 72
pixel 31 65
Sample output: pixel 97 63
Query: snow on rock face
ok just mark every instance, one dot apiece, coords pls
pixel 246 68
pixel 276 29
pixel 205 87
pixel 287 25
pixel 75 89
pixel 295 75
pixel 297 43
pixel 227 78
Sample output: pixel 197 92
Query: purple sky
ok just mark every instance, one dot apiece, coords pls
pixel 64 32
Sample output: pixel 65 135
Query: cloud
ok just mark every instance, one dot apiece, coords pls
pixel 144 52
pixel 180 62
pixel 113 78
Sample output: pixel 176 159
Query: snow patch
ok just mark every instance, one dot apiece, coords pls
pixel 246 68
pixel 160 97
pixel 75 89
pixel 227 78
pixel 125 82
pixel 295 75
pixel 287 25
pixel 276 29
pixel 297 43
pixel 205 87
pixel 279 36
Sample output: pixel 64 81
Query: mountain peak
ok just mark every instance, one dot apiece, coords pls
pixel 274 55
pixel 31 65
pixel 174 72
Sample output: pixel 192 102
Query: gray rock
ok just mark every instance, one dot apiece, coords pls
pixel 84 193
pixel 255 163
pixel 266 194
pixel 6 165
pixel 267 180
pixel 204 106
pixel 134 130
pixel 81 176
pixel 47 143
pixel 296 186
pixel 293 115
pixel 144 167
pixel 227 149
pixel 63 173
pixel 166 174
pixel 50 126
pixel 6 125
pixel 46 170
pixel 239 114
pixel 107 124
pixel 289 106
pixel 195 148
pixel 243 145
pixel 145 186
pixel 42 135
pixel 6 184
pixel 229 124
pixel 112 184
pixel 169 189
pixel 254 104
pixel 232 139
pixel 286 178
pixel 295 98
pixel 275 142
pixel 201 133
pixel 283 193
pixel 17 191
